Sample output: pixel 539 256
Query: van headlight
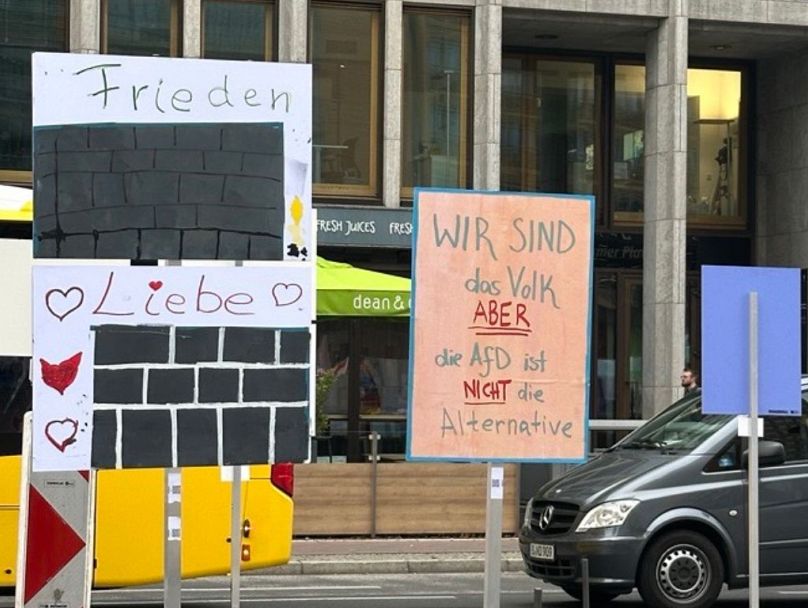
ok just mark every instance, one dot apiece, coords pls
pixel 528 512
pixel 607 515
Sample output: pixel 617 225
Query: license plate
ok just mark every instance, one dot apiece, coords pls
pixel 539 551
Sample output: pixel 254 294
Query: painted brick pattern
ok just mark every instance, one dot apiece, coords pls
pixel 194 396
pixel 150 192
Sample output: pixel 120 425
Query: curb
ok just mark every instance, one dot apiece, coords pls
pixel 429 564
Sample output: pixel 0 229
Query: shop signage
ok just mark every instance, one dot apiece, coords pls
pixel 365 227
pixel 500 327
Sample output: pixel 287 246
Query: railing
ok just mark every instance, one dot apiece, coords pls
pixel 374 456
pixel 388 446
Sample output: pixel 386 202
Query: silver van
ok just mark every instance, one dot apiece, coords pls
pixel 664 510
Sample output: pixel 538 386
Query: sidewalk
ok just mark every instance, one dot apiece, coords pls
pixel 395 556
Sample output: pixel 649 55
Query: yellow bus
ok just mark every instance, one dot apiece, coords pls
pixel 129 504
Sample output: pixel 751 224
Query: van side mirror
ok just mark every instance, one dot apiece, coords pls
pixel 770 454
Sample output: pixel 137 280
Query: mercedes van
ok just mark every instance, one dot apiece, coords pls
pixel 665 511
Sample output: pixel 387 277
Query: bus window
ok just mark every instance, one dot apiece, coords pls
pixel 15 400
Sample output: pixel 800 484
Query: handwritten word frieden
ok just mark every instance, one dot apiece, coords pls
pixel 115 87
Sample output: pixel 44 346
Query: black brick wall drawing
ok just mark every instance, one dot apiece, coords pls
pixel 186 396
pixel 185 191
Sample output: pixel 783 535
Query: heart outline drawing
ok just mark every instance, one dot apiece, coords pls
pixel 60 375
pixel 283 299
pixel 63 440
pixel 65 295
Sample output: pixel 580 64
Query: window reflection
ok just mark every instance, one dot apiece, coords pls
pixel 237 30
pixel 141 27
pixel 548 126
pixel 32 25
pixel 367 362
pixel 628 145
pixel 345 55
pixel 435 75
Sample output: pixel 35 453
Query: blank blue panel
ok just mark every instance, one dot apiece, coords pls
pixel 725 339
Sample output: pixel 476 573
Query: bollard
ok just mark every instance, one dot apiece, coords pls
pixel 374 463
pixel 585 581
pixel 537 597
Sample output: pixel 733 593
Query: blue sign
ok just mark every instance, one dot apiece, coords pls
pixel 725 339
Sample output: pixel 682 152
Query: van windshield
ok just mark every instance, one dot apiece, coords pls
pixel 682 426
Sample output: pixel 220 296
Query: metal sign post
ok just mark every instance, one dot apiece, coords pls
pixel 235 539
pixel 493 535
pixel 172 562
pixel 754 564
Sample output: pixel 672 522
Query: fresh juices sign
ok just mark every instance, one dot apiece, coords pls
pixel 500 326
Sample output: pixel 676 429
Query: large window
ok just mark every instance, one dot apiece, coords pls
pixel 435 100
pixel 714 146
pixel 141 27
pixel 628 143
pixel 28 26
pixel 552 126
pixel 238 29
pixel 715 154
pixel 367 361
pixel 549 116
pixel 344 50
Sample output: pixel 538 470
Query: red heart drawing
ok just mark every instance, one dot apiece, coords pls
pixel 62 433
pixel 286 294
pixel 67 306
pixel 60 375
pixel 155 285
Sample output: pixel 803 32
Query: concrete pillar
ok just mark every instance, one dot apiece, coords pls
pixel 665 210
pixel 85 26
pixel 293 30
pixel 487 93
pixel 391 153
pixel 192 28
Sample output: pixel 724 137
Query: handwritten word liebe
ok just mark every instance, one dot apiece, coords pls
pixel 159 298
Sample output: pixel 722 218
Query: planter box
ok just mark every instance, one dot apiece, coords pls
pixel 411 498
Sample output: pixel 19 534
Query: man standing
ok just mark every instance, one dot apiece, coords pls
pixel 689 380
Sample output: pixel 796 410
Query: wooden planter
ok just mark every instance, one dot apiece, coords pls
pixel 410 498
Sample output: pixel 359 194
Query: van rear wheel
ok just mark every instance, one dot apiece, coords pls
pixel 681 569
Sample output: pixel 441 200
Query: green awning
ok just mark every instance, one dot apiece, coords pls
pixel 346 291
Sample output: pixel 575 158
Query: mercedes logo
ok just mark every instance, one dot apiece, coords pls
pixel 546 517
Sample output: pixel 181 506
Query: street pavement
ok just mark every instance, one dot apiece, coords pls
pixel 393 573
pixel 391 591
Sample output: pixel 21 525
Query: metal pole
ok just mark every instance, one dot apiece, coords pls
pixel 537 597
pixel 493 535
pixel 374 476
pixel 754 564
pixel 172 578
pixel 235 539
pixel 585 582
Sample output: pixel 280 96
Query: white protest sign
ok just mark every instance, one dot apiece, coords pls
pixel 71 303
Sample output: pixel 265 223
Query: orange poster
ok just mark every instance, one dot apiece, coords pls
pixel 500 327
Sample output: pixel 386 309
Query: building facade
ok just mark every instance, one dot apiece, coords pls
pixel 686 119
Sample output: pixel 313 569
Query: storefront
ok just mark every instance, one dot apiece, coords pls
pixel 363 331
pixel 371 325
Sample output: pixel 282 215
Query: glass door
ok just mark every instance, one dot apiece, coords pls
pixel 616 350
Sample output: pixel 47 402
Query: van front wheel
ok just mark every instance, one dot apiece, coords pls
pixel 681 569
